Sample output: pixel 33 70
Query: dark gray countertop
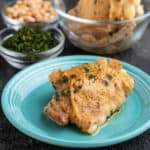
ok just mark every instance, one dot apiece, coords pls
pixel 12 139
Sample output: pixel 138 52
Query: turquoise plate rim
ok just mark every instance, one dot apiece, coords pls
pixel 67 143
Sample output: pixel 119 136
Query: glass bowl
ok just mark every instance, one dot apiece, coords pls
pixel 93 35
pixel 16 24
pixel 20 60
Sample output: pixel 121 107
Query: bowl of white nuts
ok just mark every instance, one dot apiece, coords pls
pixel 38 13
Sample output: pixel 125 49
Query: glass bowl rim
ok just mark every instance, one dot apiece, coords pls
pixel 13 53
pixel 96 22
pixel 16 21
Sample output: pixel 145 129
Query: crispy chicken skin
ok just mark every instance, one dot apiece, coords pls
pixel 88 94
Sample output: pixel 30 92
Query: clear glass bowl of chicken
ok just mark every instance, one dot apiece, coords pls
pixel 20 13
pixel 103 26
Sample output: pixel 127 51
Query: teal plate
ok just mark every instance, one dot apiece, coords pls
pixel 26 94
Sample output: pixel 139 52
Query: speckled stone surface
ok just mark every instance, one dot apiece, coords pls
pixel 12 139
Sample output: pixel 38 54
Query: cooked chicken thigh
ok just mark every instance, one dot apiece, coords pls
pixel 88 94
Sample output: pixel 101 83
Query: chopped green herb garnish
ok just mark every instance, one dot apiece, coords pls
pixel 91 76
pixel 87 69
pixel 30 40
pixel 31 57
pixel 73 76
pixel 64 79
pixel 77 88
pixel 57 93
pixel 65 92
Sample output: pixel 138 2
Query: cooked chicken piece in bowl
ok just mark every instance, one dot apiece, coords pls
pixel 103 26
